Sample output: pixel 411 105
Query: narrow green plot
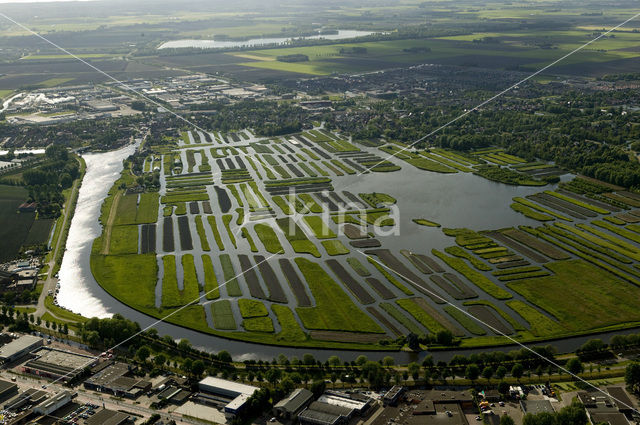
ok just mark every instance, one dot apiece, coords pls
pixel 632 236
pixel 171 295
pixel 269 239
pixel 216 233
pixel 425 222
pixel 223 315
pixel 335 247
pixel 466 321
pixel 459 252
pixel 210 280
pixel 390 277
pixel 202 234
pixel 147 212
pixel 310 203
pixel 530 213
pixel 394 312
pixel 189 271
pixel 508 318
pixel 258 324
pixel 291 330
pixel 247 236
pixel 334 310
pixel 236 194
pixel 297 238
pixel 230 277
pixel 283 204
pixel 377 200
pixel 358 267
pixel 420 315
pixel 126 209
pixel 475 277
pixel 540 325
pixel 577 202
pixel 226 220
pixel 252 308
pixel 319 228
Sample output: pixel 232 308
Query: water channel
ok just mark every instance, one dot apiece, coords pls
pixel 222 44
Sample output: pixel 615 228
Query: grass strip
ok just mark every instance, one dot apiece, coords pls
pixel 202 234
pixel 420 315
pixel 223 315
pixel 210 280
pixel 216 233
pixel 467 322
pixel 395 282
pixel 475 277
pixel 230 278
pixel 226 220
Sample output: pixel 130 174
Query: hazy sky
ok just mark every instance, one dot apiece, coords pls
pixel 35 1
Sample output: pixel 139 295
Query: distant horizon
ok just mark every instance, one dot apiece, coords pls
pixel 39 1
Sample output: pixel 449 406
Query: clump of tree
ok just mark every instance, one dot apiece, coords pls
pixel 293 58
pixel 46 182
pixel 355 50
pixel 102 333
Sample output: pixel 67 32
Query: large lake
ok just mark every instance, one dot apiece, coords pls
pixel 215 44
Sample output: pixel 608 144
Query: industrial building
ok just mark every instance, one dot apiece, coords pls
pixel 50 405
pixel 58 364
pixel 7 390
pixel 324 414
pixel 19 348
pixel 391 397
pixel 334 408
pixel 29 397
pixel 607 408
pixel 218 391
pixel 358 403
pixel 116 378
pixel 290 407
pixel 108 417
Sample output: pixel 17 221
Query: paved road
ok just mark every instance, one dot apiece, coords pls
pixel 51 281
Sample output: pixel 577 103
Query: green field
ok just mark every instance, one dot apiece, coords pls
pixel 223 315
pixel 334 310
pixel 599 299
pixel 14 226
pixel 269 239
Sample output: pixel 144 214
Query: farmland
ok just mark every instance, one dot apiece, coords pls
pixel 260 263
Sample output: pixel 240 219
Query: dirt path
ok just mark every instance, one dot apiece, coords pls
pixel 106 243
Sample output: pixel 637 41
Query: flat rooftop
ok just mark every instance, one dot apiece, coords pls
pixel 18 345
pixel 213 382
pixel 63 358
pixel 107 417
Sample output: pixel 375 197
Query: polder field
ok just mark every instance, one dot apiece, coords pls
pixel 18 229
pixel 290 241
